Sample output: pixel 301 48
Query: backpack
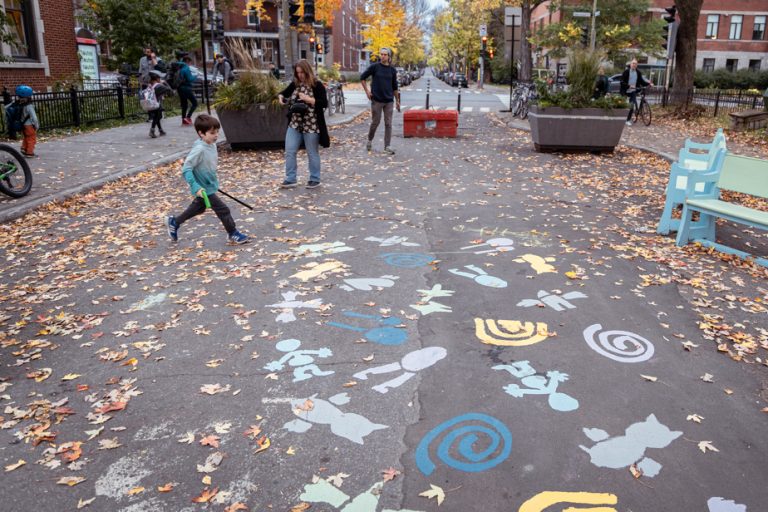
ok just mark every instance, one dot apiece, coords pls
pixel 174 75
pixel 13 117
pixel 148 99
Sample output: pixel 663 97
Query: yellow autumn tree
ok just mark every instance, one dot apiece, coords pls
pixel 382 21
pixel 258 7
pixel 325 9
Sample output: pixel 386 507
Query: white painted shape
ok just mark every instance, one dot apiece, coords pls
pixel 123 475
pixel 467 109
pixel 154 432
pixel 485 109
pixel 717 504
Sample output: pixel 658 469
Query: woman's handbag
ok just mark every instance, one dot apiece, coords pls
pixel 298 107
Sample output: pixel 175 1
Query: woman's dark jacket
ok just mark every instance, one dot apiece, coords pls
pixel 601 86
pixel 641 82
pixel 321 102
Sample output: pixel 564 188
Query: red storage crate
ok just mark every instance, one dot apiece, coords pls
pixel 430 123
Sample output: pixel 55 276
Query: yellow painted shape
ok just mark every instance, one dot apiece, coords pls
pixel 514 334
pixel 539 264
pixel 317 270
pixel 548 498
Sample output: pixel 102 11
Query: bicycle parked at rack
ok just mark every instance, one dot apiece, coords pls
pixel 642 108
pixel 15 175
pixel 336 101
pixel 522 96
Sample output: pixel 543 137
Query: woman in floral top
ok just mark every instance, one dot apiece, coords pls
pixel 308 126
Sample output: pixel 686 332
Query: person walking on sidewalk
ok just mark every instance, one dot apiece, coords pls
pixel 146 64
pixel 306 98
pixel 199 171
pixel 382 94
pixel 631 79
pixel 223 67
pixel 161 89
pixel 186 95
pixel 29 122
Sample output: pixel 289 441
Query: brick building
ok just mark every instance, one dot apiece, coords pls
pixel 347 44
pixel 731 33
pixel 261 35
pixel 45 48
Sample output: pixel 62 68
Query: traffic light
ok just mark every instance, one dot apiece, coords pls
pixel 484 40
pixel 218 33
pixel 320 48
pixel 670 31
pixel 312 43
pixel 490 53
pixel 585 36
pixel 326 41
pixel 293 9
pixel 309 11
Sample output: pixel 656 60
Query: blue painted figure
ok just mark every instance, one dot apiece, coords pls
pixel 538 385
pixel 407 259
pixel 386 335
pixel 302 360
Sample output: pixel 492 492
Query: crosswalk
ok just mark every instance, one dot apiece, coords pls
pixel 455 91
pixel 437 107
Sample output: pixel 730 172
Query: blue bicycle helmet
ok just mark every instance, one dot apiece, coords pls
pixel 24 91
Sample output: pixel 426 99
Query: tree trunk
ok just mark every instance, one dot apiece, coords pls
pixel 685 49
pixel 525 46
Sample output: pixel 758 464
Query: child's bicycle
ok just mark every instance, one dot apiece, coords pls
pixel 15 175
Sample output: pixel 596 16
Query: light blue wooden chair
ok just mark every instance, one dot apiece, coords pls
pixel 729 172
pixel 688 162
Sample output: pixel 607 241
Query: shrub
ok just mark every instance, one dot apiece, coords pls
pixel 254 85
pixel 724 79
pixel 325 73
pixel 500 70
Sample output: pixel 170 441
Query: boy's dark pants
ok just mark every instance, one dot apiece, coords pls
pixel 217 205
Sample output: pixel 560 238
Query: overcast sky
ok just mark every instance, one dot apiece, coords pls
pixel 437 3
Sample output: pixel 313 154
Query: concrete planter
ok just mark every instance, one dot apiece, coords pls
pixel 260 126
pixel 580 129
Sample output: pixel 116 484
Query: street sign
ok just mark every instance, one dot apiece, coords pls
pixel 513 14
pixel 578 14
pixel 483 30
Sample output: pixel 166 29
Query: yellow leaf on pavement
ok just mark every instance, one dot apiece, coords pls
pixel 135 490
pixel 11 467
pixel 707 445
pixel 434 492
pixel 70 480
pixel 71 376
pixel 649 378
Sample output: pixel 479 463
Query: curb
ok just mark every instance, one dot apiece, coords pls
pixel 62 195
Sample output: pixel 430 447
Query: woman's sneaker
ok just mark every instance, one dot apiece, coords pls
pixel 173 228
pixel 237 238
pixel 288 184
pixel 313 184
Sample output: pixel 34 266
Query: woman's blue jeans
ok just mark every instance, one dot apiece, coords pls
pixel 293 140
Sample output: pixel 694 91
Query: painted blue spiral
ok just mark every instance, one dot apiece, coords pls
pixel 407 259
pixel 461 440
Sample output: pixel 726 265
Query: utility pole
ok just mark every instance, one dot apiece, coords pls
pixel 286 41
pixel 592 33
pixel 205 64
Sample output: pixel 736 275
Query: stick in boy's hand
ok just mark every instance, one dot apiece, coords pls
pixel 236 199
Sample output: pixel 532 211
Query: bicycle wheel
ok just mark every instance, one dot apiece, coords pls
pixel 332 104
pixel 645 112
pixel 342 103
pixel 517 102
pixel 524 110
pixel 15 175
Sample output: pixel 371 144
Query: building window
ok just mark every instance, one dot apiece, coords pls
pixel 713 22
pixel 735 32
pixel 758 30
pixel 709 65
pixel 343 23
pixel 732 65
pixel 253 18
pixel 21 29
pixel 267 54
pixel 754 64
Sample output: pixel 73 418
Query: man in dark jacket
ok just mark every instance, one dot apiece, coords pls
pixel 631 79
pixel 382 94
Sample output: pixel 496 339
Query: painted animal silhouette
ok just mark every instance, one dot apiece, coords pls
pixel 314 410
pixel 623 451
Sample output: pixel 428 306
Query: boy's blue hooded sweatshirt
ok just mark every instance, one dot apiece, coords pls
pixel 200 168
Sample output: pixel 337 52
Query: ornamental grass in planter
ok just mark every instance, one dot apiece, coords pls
pixel 572 120
pixel 250 113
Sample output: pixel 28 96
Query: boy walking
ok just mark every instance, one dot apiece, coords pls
pixel 199 171
pixel 29 121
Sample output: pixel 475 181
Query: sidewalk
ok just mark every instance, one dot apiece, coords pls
pixel 72 165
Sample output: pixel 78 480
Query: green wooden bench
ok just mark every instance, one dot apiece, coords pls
pixel 729 172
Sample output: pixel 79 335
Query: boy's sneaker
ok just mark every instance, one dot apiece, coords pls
pixel 288 184
pixel 629 123
pixel 237 238
pixel 388 150
pixel 369 145
pixel 313 184
pixel 173 228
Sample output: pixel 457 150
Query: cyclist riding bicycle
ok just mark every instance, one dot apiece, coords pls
pixel 631 80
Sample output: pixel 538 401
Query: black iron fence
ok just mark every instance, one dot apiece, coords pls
pixel 710 102
pixel 94 101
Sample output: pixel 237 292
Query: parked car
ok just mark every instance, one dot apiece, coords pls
pixel 614 84
pixel 448 78
pixel 459 80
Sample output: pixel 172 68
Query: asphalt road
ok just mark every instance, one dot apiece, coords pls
pixel 454 313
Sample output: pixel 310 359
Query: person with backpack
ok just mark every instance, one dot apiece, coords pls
pixel 224 68
pixel 21 117
pixel 183 80
pixel 152 101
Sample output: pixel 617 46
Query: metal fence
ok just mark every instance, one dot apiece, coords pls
pixel 711 102
pixel 94 101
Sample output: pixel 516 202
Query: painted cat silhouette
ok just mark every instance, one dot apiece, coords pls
pixel 623 451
